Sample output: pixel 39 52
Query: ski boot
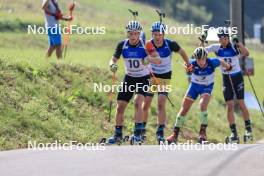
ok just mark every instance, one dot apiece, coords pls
pixel 144 136
pixel 136 140
pixel 248 136
pixel 232 139
pixel 115 140
pixel 160 137
pixel 174 137
pixel 202 139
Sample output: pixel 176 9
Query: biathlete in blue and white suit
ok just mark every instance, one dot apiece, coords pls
pixel 136 80
pixel 202 83
pixel 163 48
pixel 233 82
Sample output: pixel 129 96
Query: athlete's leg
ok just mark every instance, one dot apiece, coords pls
pixel 120 110
pixel 146 107
pixel 138 104
pixel 162 109
pixel 50 51
pixel 58 51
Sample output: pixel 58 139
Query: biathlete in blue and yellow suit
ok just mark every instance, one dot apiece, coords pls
pixel 202 83
pixel 162 48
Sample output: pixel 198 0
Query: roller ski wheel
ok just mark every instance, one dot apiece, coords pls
pixel 135 140
pixel 232 139
pixel 248 137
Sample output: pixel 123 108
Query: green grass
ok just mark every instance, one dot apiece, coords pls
pixel 44 100
pixel 49 104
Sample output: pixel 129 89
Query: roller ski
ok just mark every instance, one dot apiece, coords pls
pixel 114 140
pixel 137 137
pixel 232 139
pixel 248 137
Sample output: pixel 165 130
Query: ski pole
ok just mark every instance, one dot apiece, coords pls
pixel 67 35
pixel 251 84
pixel 134 13
pixel 202 38
pixel 161 15
pixel 158 82
pixel 111 97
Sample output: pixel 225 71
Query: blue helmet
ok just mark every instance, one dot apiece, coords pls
pixel 158 27
pixel 133 26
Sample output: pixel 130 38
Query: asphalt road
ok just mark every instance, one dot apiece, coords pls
pixel 240 160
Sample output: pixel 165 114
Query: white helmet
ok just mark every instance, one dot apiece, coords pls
pixel 133 26
pixel 199 53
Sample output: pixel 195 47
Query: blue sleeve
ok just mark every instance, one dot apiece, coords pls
pixel 143 36
pixel 215 62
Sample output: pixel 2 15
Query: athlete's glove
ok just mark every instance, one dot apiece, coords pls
pixel 234 38
pixel 202 38
pixel 150 47
pixel 113 68
pixel 69 18
pixel 230 68
pixel 58 15
pixel 189 68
